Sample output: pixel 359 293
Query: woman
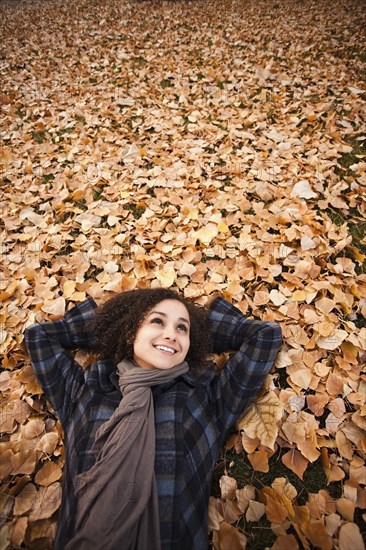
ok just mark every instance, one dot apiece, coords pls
pixel 138 469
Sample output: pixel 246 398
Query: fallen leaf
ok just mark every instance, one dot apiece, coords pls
pixel 48 474
pixel 261 418
pixel 47 502
pixel 294 460
pixel 255 511
pixel 350 537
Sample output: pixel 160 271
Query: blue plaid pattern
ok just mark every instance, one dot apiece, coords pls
pixel 192 414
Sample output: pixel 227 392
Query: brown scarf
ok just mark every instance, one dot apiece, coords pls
pixel 117 497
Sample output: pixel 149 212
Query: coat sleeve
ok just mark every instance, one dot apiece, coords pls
pixel 49 345
pixel 255 345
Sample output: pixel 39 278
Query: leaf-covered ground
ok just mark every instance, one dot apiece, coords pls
pixel 203 146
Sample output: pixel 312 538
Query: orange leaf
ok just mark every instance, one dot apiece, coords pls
pixel 259 459
pixel 294 460
pixel 285 542
pixel 229 538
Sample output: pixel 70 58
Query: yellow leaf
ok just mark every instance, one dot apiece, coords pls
pixel 207 233
pixel 301 378
pixel 68 288
pixel 222 227
pixel 166 276
pixel 56 307
pixel 261 418
pixel 276 511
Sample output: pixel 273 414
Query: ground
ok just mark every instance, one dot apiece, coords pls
pixel 203 146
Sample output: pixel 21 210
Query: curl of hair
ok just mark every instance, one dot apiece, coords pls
pixel 118 320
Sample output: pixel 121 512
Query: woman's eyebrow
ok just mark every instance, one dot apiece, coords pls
pixel 165 315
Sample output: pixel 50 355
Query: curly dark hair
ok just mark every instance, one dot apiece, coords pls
pixel 118 320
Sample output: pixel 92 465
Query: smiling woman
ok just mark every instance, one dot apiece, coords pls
pixel 145 424
pixel 117 323
pixel 162 341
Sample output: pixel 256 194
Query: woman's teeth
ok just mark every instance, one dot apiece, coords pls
pixel 166 349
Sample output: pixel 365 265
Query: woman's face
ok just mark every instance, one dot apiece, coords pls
pixel 162 341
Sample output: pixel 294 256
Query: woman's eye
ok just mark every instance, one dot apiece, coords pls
pixel 184 328
pixel 157 320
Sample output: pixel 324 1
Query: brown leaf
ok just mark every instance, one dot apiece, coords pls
pixel 255 511
pixel 48 443
pixel 350 537
pixel 285 542
pixel 316 532
pixel 25 499
pixel 346 508
pixel 294 460
pixel 228 538
pixel 47 502
pixel 18 532
pixel 228 486
pixel 260 419
pixel 23 462
pixel 214 514
pixel 259 459
pixel 276 510
pixel 48 474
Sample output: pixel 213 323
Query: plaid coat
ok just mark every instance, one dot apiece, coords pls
pixel 192 414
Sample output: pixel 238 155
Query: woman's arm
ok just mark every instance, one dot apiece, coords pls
pixel 60 376
pixel 255 345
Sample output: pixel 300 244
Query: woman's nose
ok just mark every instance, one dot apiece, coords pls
pixel 169 333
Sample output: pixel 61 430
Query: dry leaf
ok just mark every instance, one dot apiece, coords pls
pixel 259 459
pixel 350 537
pixel 260 419
pixel 255 511
pixel 228 486
pixel 48 442
pixel 18 533
pixel 47 502
pixel 25 499
pixel 294 460
pixel 48 474
pixel 228 538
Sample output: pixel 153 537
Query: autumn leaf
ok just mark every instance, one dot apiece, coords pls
pixel 47 502
pixel 48 474
pixel 260 419
pixel 25 499
pixel 255 511
pixel 350 537
pixel 295 461
pixel 228 538
pixel 228 486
